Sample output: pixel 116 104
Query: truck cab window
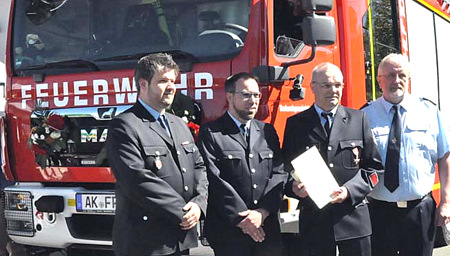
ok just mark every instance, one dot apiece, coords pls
pixel 287 24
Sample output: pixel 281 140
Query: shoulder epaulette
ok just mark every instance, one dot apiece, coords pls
pixel 430 101
pixel 365 105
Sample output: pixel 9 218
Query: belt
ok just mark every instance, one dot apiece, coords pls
pixel 399 204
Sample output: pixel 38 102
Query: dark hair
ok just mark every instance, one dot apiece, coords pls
pixel 230 83
pixel 148 65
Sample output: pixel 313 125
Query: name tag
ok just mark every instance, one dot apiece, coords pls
pixel 402 204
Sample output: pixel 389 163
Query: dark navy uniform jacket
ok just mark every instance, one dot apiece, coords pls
pixel 241 177
pixel 352 157
pixel 156 176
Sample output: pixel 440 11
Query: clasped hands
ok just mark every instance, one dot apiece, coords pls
pixel 191 217
pixel 252 223
pixel 338 196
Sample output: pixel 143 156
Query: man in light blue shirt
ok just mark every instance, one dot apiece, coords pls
pixel 402 210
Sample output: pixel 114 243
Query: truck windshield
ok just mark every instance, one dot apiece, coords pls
pixel 95 34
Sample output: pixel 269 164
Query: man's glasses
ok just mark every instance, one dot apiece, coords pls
pixel 249 95
pixel 330 85
pixel 392 76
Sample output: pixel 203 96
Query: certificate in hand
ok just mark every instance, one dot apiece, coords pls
pixel 311 170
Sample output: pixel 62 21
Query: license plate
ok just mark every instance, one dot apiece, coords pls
pixel 105 203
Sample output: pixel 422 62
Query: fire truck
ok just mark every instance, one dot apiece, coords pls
pixel 70 70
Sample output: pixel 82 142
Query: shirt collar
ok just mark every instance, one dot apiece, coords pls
pixel 319 110
pixel 151 110
pixel 237 122
pixel 404 103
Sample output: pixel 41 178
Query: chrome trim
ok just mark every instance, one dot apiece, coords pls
pixel 92 112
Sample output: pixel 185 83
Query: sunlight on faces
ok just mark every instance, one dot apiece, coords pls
pixel 159 93
pixel 327 84
pixel 393 79
pixel 240 105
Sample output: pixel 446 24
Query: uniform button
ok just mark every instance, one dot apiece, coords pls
pixel 329 148
pixel 183 170
pixel 255 202
pixel 186 188
pixel 250 155
pixel 252 170
pixel 255 186
pixel 307 147
pixel 178 152
pixel 331 165
pixel 144 217
pixel 270 155
pixel 353 144
pixel 230 157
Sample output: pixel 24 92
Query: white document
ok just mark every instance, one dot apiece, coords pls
pixel 312 171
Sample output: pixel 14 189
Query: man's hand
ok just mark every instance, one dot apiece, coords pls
pixel 442 214
pixel 299 189
pixel 339 195
pixel 251 225
pixel 191 217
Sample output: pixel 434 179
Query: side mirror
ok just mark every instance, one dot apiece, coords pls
pixel 318 30
pixel 317 5
pixel 268 74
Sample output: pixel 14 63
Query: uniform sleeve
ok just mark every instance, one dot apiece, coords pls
pixel 370 167
pixel 201 182
pixel 224 197
pixel 139 184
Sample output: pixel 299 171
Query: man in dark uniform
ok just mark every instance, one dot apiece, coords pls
pixel 161 185
pixel 246 176
pixel 345 141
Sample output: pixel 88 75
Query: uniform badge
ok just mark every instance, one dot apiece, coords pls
pixel 373 179
pixel 158 163
pixel 356 158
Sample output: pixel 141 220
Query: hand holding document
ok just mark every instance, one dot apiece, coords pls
pixel 311 170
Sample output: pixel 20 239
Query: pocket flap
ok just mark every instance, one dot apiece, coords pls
pixel 189 148
pixel 155 151
pixel 351 143
pixel 266 154
pixel 231 154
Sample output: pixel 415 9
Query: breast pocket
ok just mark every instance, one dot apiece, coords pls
pixel 155 157
pixel 231 164
pixel 351 153
pixel 265 161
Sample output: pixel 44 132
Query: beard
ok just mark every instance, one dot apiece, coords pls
pixel 245 114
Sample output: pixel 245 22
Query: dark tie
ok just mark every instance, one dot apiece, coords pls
pixel 393 151
pixel 245 133
pixel 327 126
pixel 163 122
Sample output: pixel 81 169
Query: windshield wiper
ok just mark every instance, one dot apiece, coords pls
pixel 136 56
pixel 64 64
pixel 177 54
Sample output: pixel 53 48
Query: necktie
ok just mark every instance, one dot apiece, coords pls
pixel 393 151
pixel 162 121
pixel 327 126
pixel 245 132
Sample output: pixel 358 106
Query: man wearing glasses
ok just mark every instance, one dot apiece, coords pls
pixel 245 172
pixel 345 141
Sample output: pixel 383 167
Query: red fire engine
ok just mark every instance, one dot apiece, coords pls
pixel 70 70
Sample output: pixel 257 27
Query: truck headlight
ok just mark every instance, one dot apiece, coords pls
pixel 19 213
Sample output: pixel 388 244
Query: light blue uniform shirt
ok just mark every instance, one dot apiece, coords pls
pixel 424 141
